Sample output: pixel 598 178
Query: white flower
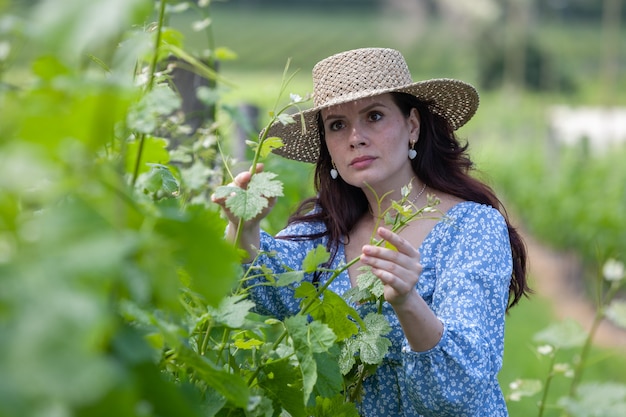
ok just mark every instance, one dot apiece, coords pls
pixel 295 98
pixel 545 349
pixel 200 25
pixel 515 384
pixel 561 367
pixel 613 270
pixel 515 396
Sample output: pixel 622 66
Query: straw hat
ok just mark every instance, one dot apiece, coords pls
pixel 368 72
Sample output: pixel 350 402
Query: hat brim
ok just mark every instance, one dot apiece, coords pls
pixel 454 100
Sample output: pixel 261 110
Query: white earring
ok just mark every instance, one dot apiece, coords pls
pixel 412 152
pixel 333 172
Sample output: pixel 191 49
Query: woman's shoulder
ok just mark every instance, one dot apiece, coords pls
pixel 474 218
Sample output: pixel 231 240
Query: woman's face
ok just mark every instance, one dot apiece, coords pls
pixel 368 140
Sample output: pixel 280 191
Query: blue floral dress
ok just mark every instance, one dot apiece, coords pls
pixel 467 267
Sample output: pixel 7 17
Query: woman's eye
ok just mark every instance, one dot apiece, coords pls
pixel 375 116
pixel 336 125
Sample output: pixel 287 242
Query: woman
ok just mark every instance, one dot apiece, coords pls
pixel 449 282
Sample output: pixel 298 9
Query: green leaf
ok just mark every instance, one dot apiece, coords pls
pixel 232 311
pixel 597 400
pixel 372 343
pixel 154 151
pixel 369 282
pixel 269 144
pixel 70 27
pixel 315 257
pixel 158 103
pixel 316 336
pixel 330 309
pixel 333 407
pixel 309 338
pixel 285 119
pixel 282 382
pixel 247 204
pixel 223 53
pixel 159 181
pixel 231 386
pixel 196 237
pixel 264 184
pixel 288 278
pixel 347 358
pixel 337 314
pixel 616 312
pixel 563 335
pixel 329 377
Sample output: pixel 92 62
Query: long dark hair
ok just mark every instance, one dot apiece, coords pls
pixel 442 163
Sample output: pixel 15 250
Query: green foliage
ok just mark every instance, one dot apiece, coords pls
pixel 582 399
pixel 119 295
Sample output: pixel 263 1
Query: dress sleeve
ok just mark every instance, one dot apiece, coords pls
pixel 473 271
pixel 279 255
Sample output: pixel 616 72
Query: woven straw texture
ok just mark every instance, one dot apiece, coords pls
pixel 368 72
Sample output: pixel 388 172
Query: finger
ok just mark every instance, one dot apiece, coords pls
pixel 403 245
pixel 380 257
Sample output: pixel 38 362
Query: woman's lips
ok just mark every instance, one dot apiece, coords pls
pixel 362 162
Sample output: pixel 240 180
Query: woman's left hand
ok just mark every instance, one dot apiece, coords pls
pixel 398 269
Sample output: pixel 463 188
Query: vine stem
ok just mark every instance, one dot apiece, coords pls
pixel 150 84
pixel 544 397
pixel 599 316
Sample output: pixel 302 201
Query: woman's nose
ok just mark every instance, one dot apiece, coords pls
pixel 357 139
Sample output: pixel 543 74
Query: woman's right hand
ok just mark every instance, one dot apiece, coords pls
pixel 242 180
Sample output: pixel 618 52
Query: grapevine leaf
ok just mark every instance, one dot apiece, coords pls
pixel 337 314
pixel 315 257
pixel 358 295
pixel 347 358
pixel 159 102
pixel 232 311
pixel 329 377
pixel 288 278
pixel 160 181
pixel 193 235
pixel 563 335
pixel 616 312
pixel 308 293
pixel 247 344
pixel 282 383
pixel 248 203
pixel 226 191
pixel 333 407
pixel 309 338
pixel 265 185
pixel 372 343
pixel 153 151
pixel 231 386
pixel 245 204
pixel 370 282
pixel 269 145
pixel 331 309
pixel 597 399
pixel 285 119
